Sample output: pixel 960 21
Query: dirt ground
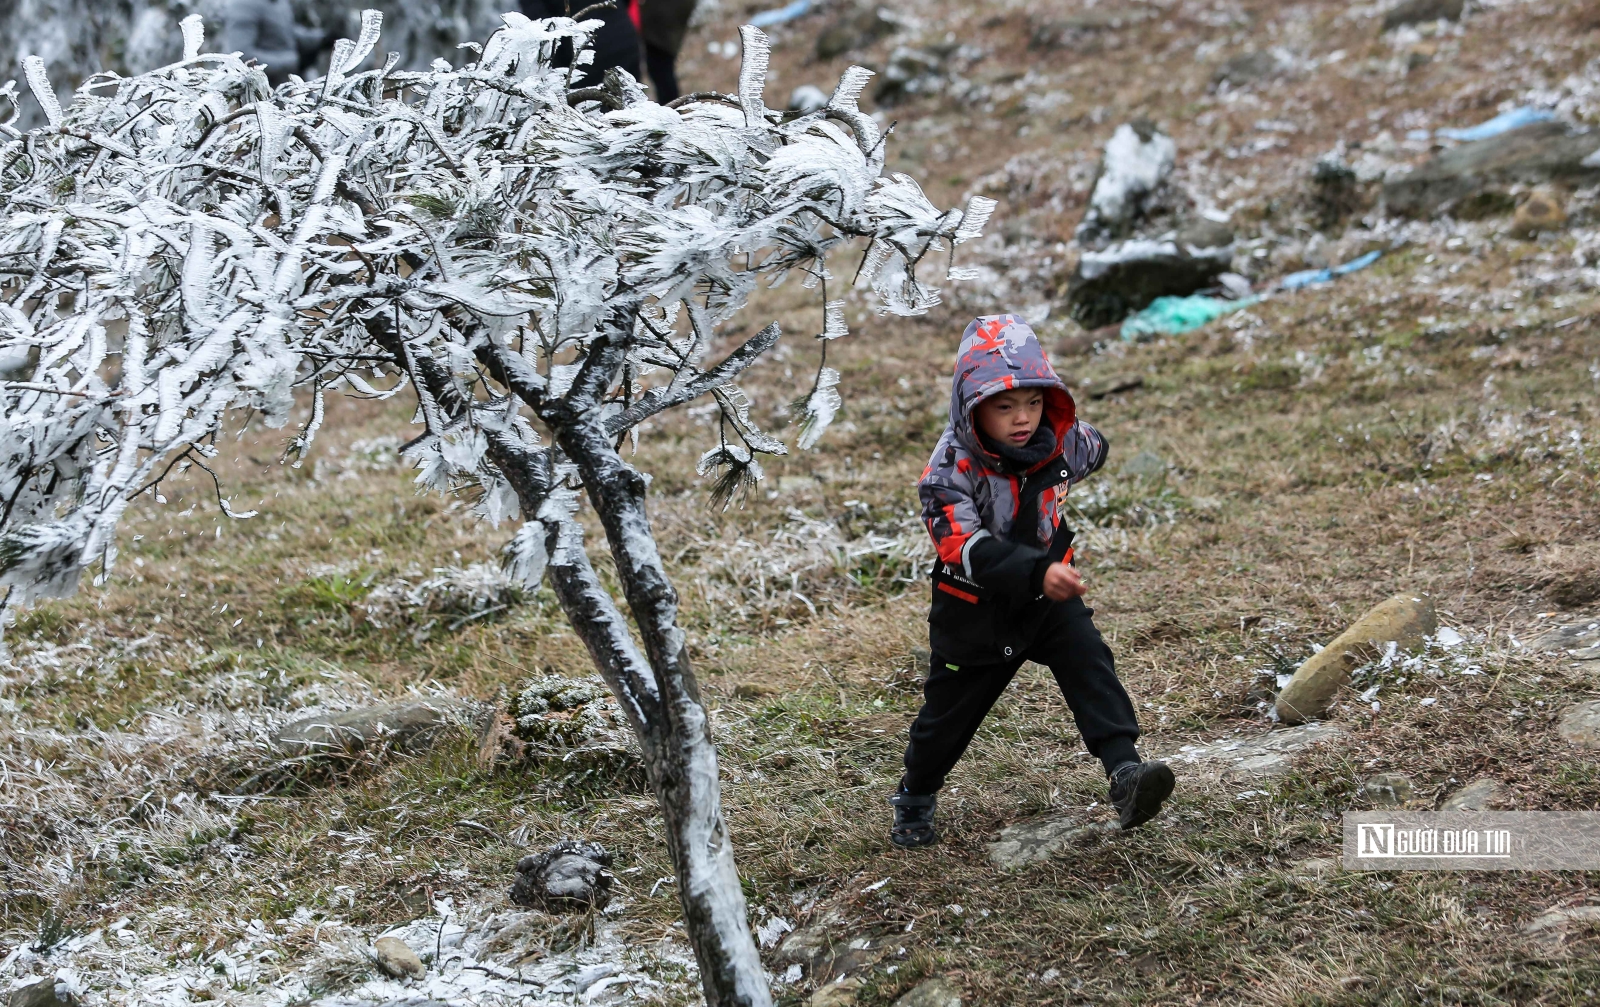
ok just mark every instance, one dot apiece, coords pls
pixel 1430 424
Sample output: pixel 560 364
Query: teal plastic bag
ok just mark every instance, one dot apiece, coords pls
pixel 1169 316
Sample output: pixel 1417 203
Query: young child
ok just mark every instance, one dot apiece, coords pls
pixel 1004 591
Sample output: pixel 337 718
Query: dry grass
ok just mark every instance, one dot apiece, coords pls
pixel 1428 424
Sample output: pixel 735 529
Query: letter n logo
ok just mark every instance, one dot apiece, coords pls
pixel 1374 840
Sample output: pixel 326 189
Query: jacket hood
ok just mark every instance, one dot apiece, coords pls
pixel 999 353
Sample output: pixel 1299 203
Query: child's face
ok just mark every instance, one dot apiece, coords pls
pixel 1011 417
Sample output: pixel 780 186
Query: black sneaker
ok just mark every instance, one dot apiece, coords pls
pixel 1137 790
pixel 913 820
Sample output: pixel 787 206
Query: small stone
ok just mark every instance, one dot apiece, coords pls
pixel 854 30
pixel 410 725
pixel 1145 465
pixel 1405 621
pixel 1541 211
pixel 1388 789
pixel 1030 842
pixel 839 994
pixel 1315 867
pixel 45 992
pixel 1580 725
pixel 396 958
pixel 1576 637
pixel 921 661
pixel 1479 795
pixel 1418 11
pixel 1552 929
pixel 568 876
pixel 1246 68
pixel 1201 234
pixel 935 992
pixel 1249 758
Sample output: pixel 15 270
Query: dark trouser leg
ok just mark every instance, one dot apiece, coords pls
pixel 661 65
pixel 954 704
pixel 1070 646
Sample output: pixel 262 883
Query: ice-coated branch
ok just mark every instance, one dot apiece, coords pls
pixel 189 242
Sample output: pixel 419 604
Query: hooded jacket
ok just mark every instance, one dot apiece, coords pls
pixel 996 525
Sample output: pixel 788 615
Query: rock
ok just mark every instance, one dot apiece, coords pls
pixel 935 992
pixel 1552 929
pixel 409 725
pixel 1146 464
pixel 1541 211
pixel 821 955
pixel 575 721
pixel 1201 235
pixel 910 72
pixel 1574 577
pixel 807 98
pixel 1416 11
pixel 568 876
pixel 1246 68
pixel 839 994
pixel 1315 867
pixel 1253 757
pixel 854 30
pixel 921 661
pixel 396 958
pixel 1335 192
pixel 1479 795
pixel 1030 842
pixel 44 992
pixel 1108 286
pixel 1580 725
pixel 1388 790
pixel 1532 154
pixel 1137 160
pixel 1404 621
pixel 1578 639
pixel 1072 31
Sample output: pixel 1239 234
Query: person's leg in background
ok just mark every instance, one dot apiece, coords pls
pixel 663 25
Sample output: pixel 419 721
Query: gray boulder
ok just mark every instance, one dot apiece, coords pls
pixel 1137 160
pixel 854 29
pixel 1028 843
pixel 1479 795
pixel 569 875
pixel 935 992
pixel 42 993
pixel 1082 26
pixel 1388 790
pixel 1416 11
pixel 1246 68
pixel 1109 285
pixel 1478 173
pixel 409 725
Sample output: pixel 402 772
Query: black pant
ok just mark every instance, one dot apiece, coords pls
pixel 955 700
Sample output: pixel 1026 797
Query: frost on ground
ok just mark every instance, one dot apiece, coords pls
pixel 473 954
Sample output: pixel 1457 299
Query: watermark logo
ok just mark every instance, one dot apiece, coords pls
pixel 1471 840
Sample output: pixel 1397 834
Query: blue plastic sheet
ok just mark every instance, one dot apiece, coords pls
pixel 784 14
pixel 1312 277
pixel 1502 123
pixel 1169 316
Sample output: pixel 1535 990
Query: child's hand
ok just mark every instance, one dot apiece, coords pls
pixel 1062 582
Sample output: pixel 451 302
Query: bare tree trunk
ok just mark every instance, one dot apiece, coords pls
pixel 684 763
pixel 657 689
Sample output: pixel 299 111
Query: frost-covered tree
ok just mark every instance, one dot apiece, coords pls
pixel 543 267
